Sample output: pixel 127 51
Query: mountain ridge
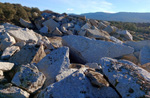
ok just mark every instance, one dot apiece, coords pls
pixel 120 16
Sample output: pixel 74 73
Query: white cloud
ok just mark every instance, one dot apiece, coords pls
pixel 84 6
pixel 70 9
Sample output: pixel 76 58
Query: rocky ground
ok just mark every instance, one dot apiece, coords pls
pixel 70 56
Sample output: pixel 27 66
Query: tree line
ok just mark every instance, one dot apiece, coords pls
pixel 13 12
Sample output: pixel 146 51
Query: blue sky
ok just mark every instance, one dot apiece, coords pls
pixel 86 6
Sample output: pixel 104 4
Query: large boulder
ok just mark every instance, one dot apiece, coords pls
pixel 129 80
pixel 6 66
pixel 28 54
pixel 13 92
pixel 29 78
pixel 144 55
pixel 88 50
pixel 26 23
pixel 9 51
pixel 77 85
pixel 23 34
pixel 138 45
pixel 54 63
pixel 51 24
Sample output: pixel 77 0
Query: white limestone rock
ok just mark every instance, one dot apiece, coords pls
pixel 57 32
pixel 88 50
pixel 82 33
pixel 126 34
pixel 54 63
pixel 51 24
pixel 26 23
pixel 115 40
pixel 76 85
pixel 44 29
pixel 6 66
pixel 138 45
pixel 65 74
pixel 110 29
pixel 9 51
pixel 86 26
pixel 28 54
pixel 129 80
pixel 13 92
pixel 23 34
pixel 29 78
pixel 97 34
pixel 144 56
pixel 93 65
pixel 6 41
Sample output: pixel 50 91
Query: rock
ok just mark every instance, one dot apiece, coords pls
pixel 76 85
pixel 96 78
pixel 9 51
pixel 60 18
pixel 82 33
pixel 63 29
pixel 13 92
pixel 146 67
pixel 51 24
pixel 86 26
pixel 1 73
pixel 28 54
pixel 6 66
pixel 77 28
pixel 129 80
pixel 57 32
pixel 45 41
pixel 23 34
pixel 110 29
pixel 115 40
pixel 29 78
pixel 93 65
pixel 56 41
pixel 67 25
pixel 76 66
pixel 26 23
pixel 65 74
pixel 101 26
pixel 138 45
pixel 97 34
pixel 93 22
pixel 20 44
pixel 54 63
pixel 6 41
pixel 88 50
pixel 44 29
pixel 145 55
pixel 131 58
pixel 69 32
pixel 38 22
pixel 126 34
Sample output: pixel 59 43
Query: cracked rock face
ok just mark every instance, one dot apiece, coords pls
pixel 29 78
pixel 76 85
pixel 90 50
pixel 54 63
pixel 28 54
pixel 129 80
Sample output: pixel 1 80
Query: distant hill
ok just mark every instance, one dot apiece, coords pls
pixel 121 16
